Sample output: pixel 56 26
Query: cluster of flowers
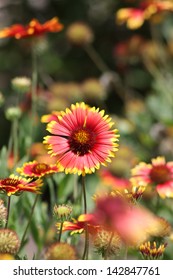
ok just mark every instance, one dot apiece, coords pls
pixel 81 140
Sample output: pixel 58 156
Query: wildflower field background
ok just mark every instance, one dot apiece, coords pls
pixel 86 121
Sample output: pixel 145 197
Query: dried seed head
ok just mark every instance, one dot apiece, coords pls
pixel 9 242
pixel 60 251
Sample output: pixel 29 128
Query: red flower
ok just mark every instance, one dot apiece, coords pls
pixel 135 17
pixel 82 140
pixel 34 28
pixel 36 169
pixel 78 226
pixel 16 185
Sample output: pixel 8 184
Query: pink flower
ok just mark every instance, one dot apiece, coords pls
pixel 82 139
pixel 158 173
pixel 133 224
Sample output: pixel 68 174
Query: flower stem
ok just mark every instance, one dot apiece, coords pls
pixel 51 191
pixel 60 232
pixel 84 194
pixel 34 89
pixel 75 187
pixel 95 57
pixel 86 247
pixel 29 221
pixel 101 65
pixel 15 139
pixel 8 211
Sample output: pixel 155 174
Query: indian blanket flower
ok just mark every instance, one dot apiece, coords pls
pixel 158 174
pixel 151 251
pixel 34 28
pixel 82 139
pixel 78 226
pixel 50 117
pixel 135 17
pixel 135 193
pixel 37 169
pixel 15 185
pixel 132 223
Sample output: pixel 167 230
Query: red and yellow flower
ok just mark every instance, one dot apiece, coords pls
pixel 135 17
pixel 34 28
pixel 82 139
pixel 132 223
pixel 152 250
pixel 78 226
pixel 159 174
pixel 16 185
pixel 36 169
pixel 132 16
pixel 50 117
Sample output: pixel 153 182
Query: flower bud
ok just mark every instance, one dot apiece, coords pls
pixel 80 34
pixel 21 84
pixel 13 113
pixel 62 212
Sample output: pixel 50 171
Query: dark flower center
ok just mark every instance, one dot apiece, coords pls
pixel 81 141
pixel 160 174
pixel 40 167
pixel 10 182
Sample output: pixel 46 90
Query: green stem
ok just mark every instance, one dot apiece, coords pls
pixel 60 232
pixel 29 221
pixel 10 142
pixel 86 246
pixel 8 211
pixel 51 191
pixel 75 187
pixel 84 194
pixel 15 139
pixel 13 144
pixel 101 65
pixel 34 89
pixel 95 57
